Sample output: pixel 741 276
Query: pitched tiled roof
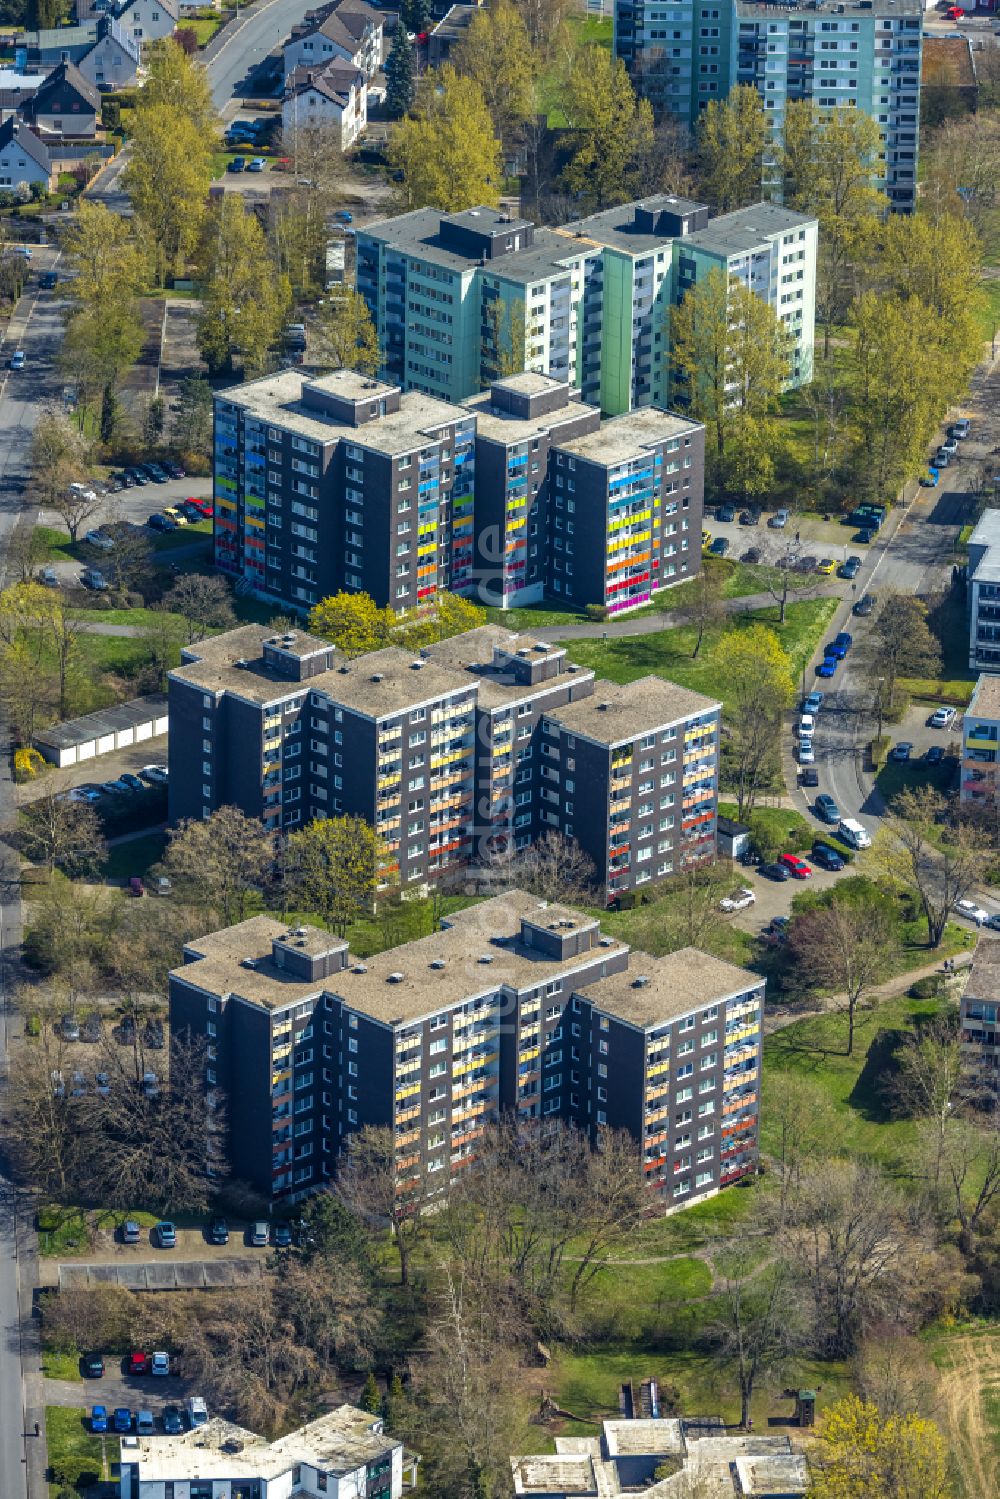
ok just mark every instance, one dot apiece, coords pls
pixel 12 130
pixel 65 73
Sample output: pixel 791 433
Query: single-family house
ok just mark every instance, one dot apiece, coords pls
pixel 23 157
pixel 148 20
pixel 65 104
pixel 350 30
pixel 113 60
pixel 16 89
pixel 59 44
pixel 335 94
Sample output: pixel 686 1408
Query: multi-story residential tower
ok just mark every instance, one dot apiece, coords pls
pixel 457 298
pixel 981 743
pixel 984 593
pixel 626 508
pixel 515 1006
pixel 773 252
pixel 449 754
pixel 980 1018
pixel 632 773
pixel 862 54
pixel 345 483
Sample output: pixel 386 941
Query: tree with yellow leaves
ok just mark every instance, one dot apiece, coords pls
pixel 496 53
pixel 445 151
pixel 757 668
pixel 333 869
pixel 353 622
pixel 865 1455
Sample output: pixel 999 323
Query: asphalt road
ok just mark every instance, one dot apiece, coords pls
pixel 36 329
pixel 237 50
pixel 918 561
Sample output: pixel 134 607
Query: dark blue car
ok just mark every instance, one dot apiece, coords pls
pixel 827 857
pixel 123 1419
pixel 827 667
pixel 99 1419
pixel 827 809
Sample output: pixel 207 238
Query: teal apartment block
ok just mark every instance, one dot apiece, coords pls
pixel 461 300
pixel 863 55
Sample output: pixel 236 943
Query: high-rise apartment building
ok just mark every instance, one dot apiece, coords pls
pixel 346 483
pixel 984 593
pixel 451 753
pixel 979 1018
pixel 980 778
pixel 457 297
pixel 516 1006
pixel 862 54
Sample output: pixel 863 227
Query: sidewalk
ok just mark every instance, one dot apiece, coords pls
pixel 780 1016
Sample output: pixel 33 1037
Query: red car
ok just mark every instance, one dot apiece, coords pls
pixel 138 1363
pixel 954 13
pixel 797 868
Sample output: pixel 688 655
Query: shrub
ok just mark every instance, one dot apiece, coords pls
pixel 931 987
pixel 27 763
pixel 596 612
pixel 33 1025
pixel 878 749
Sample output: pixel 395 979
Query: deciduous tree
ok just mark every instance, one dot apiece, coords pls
pixel 167 177
pixel 496 52
pixel 220 860
pixel 178 81
pixel 843 947
pixel 753 663
pixel 334 866
pixel 757 1321
pixel 245 300
pixel 445 148
pixel 893 384
pixel 899 644
pixel 59 459
pixel 367 1184
pixel 344 336
pixel 613 130
pixel 192 423
pixel 353 622
pixel 205 601
pixel 554 867
pixel 863 1454
pixel 733 134
pixel 936 871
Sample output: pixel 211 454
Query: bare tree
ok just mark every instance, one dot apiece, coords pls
pixel 380 1192
pixel 926 1082
pixel 59 459
pixel 704 603
pixel 899 644
pixel 691 916
pixel 220 860
pixel 909 853
pixel 42 1117
pixel 614 1200
pixel 205 602
pixel 62 834
pixel 972 1164
pixel 804 1126
pixel 891 1370
pixel 844 948
pixel 779 580
pixel 758 1321
pixel 159 1143
pixel 554 867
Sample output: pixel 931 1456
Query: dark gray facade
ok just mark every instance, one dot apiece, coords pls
pixel 515 1006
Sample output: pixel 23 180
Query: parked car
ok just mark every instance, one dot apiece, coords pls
pixel 77 1085
pixel 144 1424
pixel 843 642
pixel 156 775
pixel 159 1364
pixel 123 1419
pixel 85 794
pixel 866 536
pixel 853 833
pixel 797 868
pixel 934 755
pixel 960 429
pixel 132 781
pixel 49 577
pixel 138 477
pixel 173 1423
pixel 282 1236
pixel 150 1085
pixel 93 578
pixel 835 650
pixel 47 280
pixel 152 1036
pixel 260 1233
pixel 91 1029
pixel 131 1232
pixel 972 912
pixel 901 751
pixel 99 1419
pixel 827 857
pixel 779 520
pixel 162 885
pixel 727 513
pixel 69 1028
pixel 115 788
pixel 826 566
pixel 257 164
pixel 776 930
pixel 808 776
pixel 850 567
pixel 806 753
pixel 865 605
pixel 949 446
pixel 813 701
pixel 165 1234
pixel 942 718
pixel 102 1084
pixel 92 1365
pixel 197 1411
pixel 720 546
pixel 238 164
pixel 942 457
pixel 752 554
pixel 218 1231
pixel 774 872
pixel 739 900
pixel 826 809
pixel 100 541
pixel 749 518
pixel 161 523
pixel 138 1363
pixel 135 885
pixel 706 540
pixel 175 471
pixel 807 726
pixel 17 360
pixel 827 667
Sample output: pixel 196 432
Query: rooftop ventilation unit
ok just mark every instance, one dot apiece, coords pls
pixel 358 968
pixel 640 982
pixel 395 978
pixel 248 962
pixel 437 963
pixel 486 957
pixel 242 665
pixel 603 707
pixel 607 941
pixel 376 676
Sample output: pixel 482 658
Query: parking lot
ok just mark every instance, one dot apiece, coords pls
pixel 806 535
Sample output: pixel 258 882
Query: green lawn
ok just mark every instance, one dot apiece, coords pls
pixel 668 653
pixel 788 830
pixel 62 1231
pixel 168 541
pixel 62 1365
pixel 536 617
pixel 656 927
pixel 136 856
pixel 69 1442
pixel 145 619
pixel 204 27
pixel 58 547
pixel 908 775
pixel 989 310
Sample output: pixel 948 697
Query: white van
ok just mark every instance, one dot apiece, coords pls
pixel 853 834
pixel 197 1411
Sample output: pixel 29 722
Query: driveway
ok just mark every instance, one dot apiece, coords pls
pixel 143 1393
